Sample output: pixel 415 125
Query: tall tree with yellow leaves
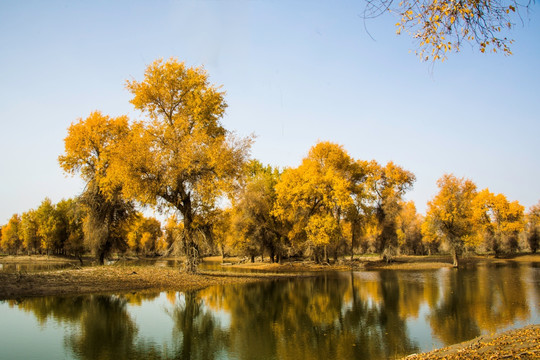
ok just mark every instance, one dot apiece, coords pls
pixel 49 226
pixel 533 227
pixel 252 217
pixel 180 157
pixel 315 196
pixel 499 220
pixel 29 232
pixel 408 231
pixel 388 184
pixel 450 213
pixel 91 147
pixel 10 241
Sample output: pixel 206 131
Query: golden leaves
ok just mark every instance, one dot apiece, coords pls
pixel 92 145
pixel 432 22
pixel 450 213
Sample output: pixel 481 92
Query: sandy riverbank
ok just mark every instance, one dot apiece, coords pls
pixel 404 262
pixel 110 279
pixel 521 343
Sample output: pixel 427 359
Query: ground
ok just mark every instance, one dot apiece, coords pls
pixel 109 279
pixel 521 343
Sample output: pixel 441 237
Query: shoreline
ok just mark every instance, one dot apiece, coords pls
pixel 520 343
pixel 126 277
pixel 112 279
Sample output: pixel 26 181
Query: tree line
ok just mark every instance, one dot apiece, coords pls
pixel 180 159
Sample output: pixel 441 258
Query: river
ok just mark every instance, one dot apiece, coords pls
pixel 347 315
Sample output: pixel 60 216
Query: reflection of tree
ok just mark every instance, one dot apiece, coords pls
pixel 363 315
pixel 391 322
pixel 533 271
pixel 106 330
pixel 197 333
pixel 504 293
pixel 137 298
pixel 317 318
pixel 479 299
pixel 66 310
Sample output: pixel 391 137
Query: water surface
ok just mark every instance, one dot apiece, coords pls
pixel 353 315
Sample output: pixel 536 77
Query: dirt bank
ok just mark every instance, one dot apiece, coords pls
pixel 108 279
pixel 521 343
pixel 403 262
pixel 412 262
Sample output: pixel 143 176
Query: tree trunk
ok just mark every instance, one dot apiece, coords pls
pixel 353 240
pixel 455 258
pixel 495 246
pixel 252 258
pixel 192 255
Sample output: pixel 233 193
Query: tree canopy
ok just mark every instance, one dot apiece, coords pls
pixel 91 148
pixel 180 157
pixel 450 213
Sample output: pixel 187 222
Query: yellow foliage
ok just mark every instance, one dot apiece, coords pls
pixel 431 22
pixel 314 196
pixel 181 156
pixel 92 145
pixel 451 211
pixel 497 216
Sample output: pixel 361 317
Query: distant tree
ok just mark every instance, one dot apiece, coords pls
pixel 443 26
pixel 252 211
pixel 72 215
pixel 431 236
pixel 409 234
pixel 90 148
pixel 11 241
pixel 172 235
pixel 49 226
pixel 388 185
pixel 223 231
pixel 143 234
pixel 501 221
pixel 315 196
pixel 533 239
pixel 359 213
pixel 450 213
pixel 29 232
pixel 533 226
pixel 181 157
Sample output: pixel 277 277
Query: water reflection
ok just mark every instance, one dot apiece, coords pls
pixel 478 300
pixel 361 315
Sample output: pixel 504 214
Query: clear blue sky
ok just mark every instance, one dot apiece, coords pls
pixel 295 72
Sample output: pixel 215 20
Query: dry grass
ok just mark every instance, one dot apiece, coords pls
pixel 107 279
pixel 291 267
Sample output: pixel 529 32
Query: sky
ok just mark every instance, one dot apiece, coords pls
pixel 295 72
